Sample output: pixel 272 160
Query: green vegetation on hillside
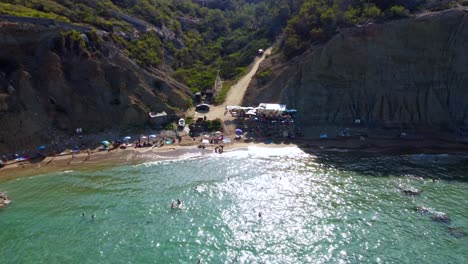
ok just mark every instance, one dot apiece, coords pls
pixel 317 20
pixel 194 39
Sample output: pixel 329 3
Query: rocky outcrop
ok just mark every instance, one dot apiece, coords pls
pixel 410 73
pixel 52 84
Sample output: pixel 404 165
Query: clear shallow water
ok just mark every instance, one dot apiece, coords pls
pixel 330 208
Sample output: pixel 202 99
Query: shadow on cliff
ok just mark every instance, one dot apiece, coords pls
pixel 427 166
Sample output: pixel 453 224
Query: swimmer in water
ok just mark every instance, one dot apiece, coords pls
pixel 82 214
pixel 173 205
pixel 260 214
pixel 179 202
pixel 92 217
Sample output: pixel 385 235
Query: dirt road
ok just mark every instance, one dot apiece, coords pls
pixel 234 97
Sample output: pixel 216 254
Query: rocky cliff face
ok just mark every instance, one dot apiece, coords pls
pixel 410 73
pixel 50 84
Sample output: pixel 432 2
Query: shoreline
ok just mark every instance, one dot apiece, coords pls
pixel 133 156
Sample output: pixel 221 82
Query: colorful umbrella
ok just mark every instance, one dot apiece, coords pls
pixel 41 147
pixel 239 131
pixel 152 136
pixel 105 143
pixel 127 138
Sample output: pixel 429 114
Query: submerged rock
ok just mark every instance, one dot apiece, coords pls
pixel 457 232
pixel 423 209
pixel 441 217
pixel 411 192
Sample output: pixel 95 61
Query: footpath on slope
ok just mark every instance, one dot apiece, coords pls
pixel 234 97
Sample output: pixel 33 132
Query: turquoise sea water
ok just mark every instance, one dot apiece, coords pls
pixel 324 208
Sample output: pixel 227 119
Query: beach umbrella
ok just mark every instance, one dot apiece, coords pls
pixel 41 147
pixel 153 136
pixel 218 133
pixel 105 143
pixel 143 137
pixel 239 131
pixel 127 138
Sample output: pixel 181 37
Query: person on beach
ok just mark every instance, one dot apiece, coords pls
pixel 89 155
pixel 259 214
pixel 73 157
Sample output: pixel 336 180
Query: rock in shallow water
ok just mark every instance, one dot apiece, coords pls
pixel 441 217
pixel 457 232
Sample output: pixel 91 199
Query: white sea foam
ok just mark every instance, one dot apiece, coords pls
pixel 256 151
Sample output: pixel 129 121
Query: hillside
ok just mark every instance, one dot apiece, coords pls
pixel 407 74
pixel 104 65
pixel 188 39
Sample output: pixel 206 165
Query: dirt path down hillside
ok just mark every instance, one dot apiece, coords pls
pixel 235 95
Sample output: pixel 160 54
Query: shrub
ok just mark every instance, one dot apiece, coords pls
pixel 221 96
pixel 372 12
pixel 264 76
pixel 443 5
pixel 214 125
pixel 398 12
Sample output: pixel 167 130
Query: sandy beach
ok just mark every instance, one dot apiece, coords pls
pixel 102 159
pixel 117 157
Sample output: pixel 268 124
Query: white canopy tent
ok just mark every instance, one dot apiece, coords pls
pixel 270 109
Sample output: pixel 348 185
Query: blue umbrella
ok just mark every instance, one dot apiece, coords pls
pixel 238 131
pixel 127 138
pixel 105 143
pixel 41 147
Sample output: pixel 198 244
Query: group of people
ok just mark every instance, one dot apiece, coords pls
pixel 3 200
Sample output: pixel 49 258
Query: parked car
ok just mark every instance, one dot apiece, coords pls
pixel 202 107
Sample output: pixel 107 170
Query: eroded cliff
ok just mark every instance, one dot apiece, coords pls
pixel 410 73
pixel 51 83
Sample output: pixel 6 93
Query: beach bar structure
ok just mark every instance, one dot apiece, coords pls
pixel 262 110
pixel 270 110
